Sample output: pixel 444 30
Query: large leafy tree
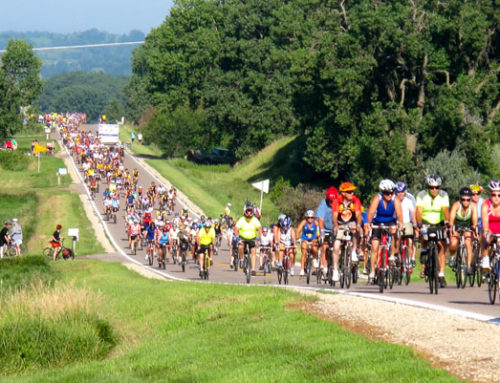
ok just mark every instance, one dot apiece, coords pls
pixel 20 84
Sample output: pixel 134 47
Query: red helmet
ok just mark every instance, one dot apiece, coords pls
pixel 58 227
pixel 331 193
pixel 249 212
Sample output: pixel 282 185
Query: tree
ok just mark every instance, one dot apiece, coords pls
pixel 20 84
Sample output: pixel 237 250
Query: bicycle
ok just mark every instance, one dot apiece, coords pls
pixel 406 269
pixel 345 260
pixel 494 272
pixel 461 260
pixel 206 262
pixel 329 262
pixel 66 252
pixel 174 251
pixel 384 274
pixel 266 261
pixel 432 234
pixel 162 256
pixel 309 261
pixel 246 263
pixel 477 272
pixel 283 270
pixel 184 246
pixel 150 252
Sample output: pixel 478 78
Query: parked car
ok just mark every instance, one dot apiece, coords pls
pixel 214 156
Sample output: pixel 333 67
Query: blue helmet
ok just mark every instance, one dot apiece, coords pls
pixel 285 222
pixel 400 187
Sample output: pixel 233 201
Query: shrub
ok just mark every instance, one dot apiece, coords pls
pixel 16 272
pixel 43 326
pixel 294 201
pixel 14 160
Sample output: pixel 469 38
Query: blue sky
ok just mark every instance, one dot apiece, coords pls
pixel 63 16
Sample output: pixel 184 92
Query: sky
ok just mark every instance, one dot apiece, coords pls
pixel 65 16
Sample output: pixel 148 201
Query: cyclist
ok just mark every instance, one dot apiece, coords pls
pixel 56 241
pixel 433 208
pixel 163 240
pixel 205 241
pixel 490 215
pixel 346 211
pixel 463 214
pixel 309 233
pixel 174 239
pixel 135 233
pixel 248 229
pixel 285 237
pixel 478 201
pixel 267 244
pixel 408 208
pixel 384 210
pixel 324 216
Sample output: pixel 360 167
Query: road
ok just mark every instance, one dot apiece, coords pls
pixel 469 302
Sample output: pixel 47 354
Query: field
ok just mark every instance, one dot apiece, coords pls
pixel 38 201
pixel 169 331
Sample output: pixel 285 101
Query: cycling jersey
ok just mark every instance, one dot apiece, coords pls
pixel 206 237
pixel 248 229
pixel 135 229
pixel 164 238
pixel 346 209
pixel 286 237
pixel 463 219
pixel 432 208
pixel 407 207
pixel 266 240
pixel 150 233
pixel 384 214
pixel 310 232
pixel 493 221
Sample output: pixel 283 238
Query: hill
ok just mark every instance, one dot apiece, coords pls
pixel 110 60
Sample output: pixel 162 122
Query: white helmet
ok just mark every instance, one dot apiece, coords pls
pixel 433 180
pixel 309 214
pixel 494 185
pixel 386 186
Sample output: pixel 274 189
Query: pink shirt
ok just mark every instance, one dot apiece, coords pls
pixel 494 221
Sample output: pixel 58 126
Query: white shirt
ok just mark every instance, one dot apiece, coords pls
pixel 266 240
pixel 408 206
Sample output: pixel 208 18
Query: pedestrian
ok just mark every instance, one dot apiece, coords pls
pixel 4 237
pixel 16 235
pixel 132 137
pixel 139 138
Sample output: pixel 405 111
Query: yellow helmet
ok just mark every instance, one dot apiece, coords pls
pixel 476 188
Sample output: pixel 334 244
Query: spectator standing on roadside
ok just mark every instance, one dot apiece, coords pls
pixel 4 237
pixel 16 235
pixel 132 137
pixel 139 138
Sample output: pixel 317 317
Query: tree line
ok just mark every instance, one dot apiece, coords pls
pixel 377 88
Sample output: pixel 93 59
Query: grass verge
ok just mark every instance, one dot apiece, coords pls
pixel 204 333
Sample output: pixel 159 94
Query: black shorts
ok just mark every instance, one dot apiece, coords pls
pixel 204 248
pixel 378 232
pixel 133 237
pixel 250 242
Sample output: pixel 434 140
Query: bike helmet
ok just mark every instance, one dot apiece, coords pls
pixel 347 186
pixel 400 187
pixel 465 192
pixel 386 185
pixel 476 189
pixel 331 193
pixel 310 214
pixel 281 216
pixel 494 185
pixel 285 222
pixel 265 229
pixel 58 227
pixel 433 180
pixel 208 224
pixel 249 212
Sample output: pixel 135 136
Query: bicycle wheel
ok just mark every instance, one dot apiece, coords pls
pixel 391 276
pixel 433 271
pixel 280 274
pixel 183 262
pixel 407 272
pixel 354 271
pixel 247 268
pixel 347 267
pixel 285 269
pixel 380 280
pixel 475 253
pixel 11 251
pixel 206 264
pixel 458 268
pixel 492 286
pixel 48 252
pixel 308 267
pixel 463 268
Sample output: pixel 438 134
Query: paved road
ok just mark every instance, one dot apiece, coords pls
pixel 469 301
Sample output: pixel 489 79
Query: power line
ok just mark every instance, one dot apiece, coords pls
pixel 84 46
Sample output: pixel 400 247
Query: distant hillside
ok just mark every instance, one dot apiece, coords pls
pixel 110 60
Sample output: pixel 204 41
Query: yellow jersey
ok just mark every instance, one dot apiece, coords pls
pixel 206 237
pixel 248 229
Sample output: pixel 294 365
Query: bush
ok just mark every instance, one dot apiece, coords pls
pixel 16 272
pixel 294 201
pixel 43 326
pixel 14 160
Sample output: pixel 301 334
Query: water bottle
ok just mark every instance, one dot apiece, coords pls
pixel 424 233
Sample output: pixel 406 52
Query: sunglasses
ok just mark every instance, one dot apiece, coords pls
pixel 388 193
pixel 465 199
pixel 495 194
pixel 433 187
pixel 349 192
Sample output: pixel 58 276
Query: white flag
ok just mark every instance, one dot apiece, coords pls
pixel 262 186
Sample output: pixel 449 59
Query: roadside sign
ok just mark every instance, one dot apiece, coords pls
pixel 262 186
pixel 109 133
pixel 62 171
pixel 73 232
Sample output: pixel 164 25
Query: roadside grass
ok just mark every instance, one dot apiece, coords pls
pixel 39 202
pixel 172 331
pixel 46 323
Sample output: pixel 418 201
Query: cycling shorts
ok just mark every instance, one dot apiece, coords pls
pixel 204 248
pixel 342 229
pixel 251 242
pixel 377 232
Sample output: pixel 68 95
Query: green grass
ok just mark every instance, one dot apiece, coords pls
pixel 38 201
pixel 44 323
pixel 188 332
